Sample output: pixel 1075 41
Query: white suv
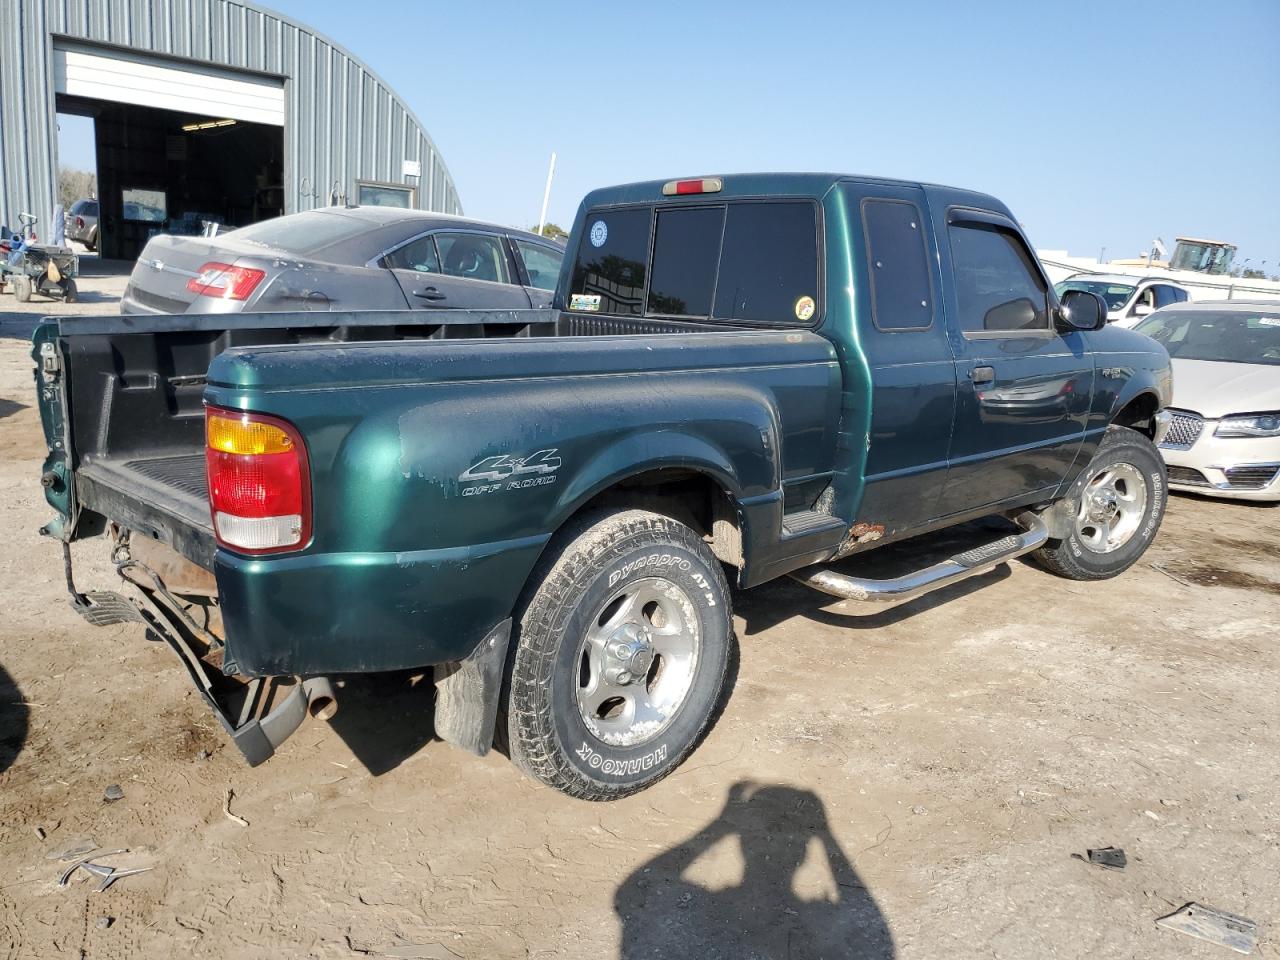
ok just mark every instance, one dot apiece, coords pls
pixel 1129 299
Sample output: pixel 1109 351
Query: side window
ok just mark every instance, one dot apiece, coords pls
pixel 898 263
pixel 609 272
pixel 541 263
pixel 769 265
pixel 997 286
pixel 1180 295
pixel 1165 295
pixel 419 255
pixel 473 256
pixel 686 250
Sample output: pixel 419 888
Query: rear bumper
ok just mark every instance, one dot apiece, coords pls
pixel 321 614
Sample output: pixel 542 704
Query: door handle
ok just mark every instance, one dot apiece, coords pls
pixel 981 375
pixel 429 293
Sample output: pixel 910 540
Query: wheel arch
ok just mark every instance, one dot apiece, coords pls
pixel 1138 412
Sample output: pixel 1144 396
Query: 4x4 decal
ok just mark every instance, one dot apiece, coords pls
pixel 511 473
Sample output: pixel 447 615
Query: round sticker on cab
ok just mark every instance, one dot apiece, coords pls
pixel 804 308
pixel 599 233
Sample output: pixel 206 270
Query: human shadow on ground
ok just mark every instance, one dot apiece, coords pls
pixel 778 830
pixel 13 720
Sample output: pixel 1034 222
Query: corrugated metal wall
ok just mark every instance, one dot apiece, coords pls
pixel 342 123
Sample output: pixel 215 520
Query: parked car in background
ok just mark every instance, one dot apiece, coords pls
pixel 1225 437
pixel 1129 299
pixel 346 258
pixel 80 223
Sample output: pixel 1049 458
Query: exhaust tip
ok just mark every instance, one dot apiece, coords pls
pixel 322 704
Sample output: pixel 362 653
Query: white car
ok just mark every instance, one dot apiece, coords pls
pixel 1224 439
pixel 1129 299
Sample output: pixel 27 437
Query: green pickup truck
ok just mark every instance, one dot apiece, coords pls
pixel 740 378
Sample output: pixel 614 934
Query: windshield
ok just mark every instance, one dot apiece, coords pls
pixel 1116 294
pixel 1234 337
pixel 302 232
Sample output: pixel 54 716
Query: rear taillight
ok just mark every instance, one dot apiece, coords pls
pixel 80 222
pixel 225 282
pixel 259 482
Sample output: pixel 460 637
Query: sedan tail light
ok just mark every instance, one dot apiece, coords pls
pixel 224 281
pixel 259 482
pixel 80 222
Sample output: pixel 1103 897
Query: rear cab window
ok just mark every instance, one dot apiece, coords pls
pixel 752 261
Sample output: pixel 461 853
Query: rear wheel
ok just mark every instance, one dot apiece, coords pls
pixel 620 656
pixel 1116 504
pixel 22 288
pixel 69 292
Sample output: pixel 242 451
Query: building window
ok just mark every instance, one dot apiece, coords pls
pixel 370 194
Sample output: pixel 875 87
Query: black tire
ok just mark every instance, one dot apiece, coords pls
pixel 1074 557
pixel 22 288
pixel 604 556
pixel 92 243
pixel 69 292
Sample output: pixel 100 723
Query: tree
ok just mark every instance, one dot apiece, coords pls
pixel 75 185
pixel 552 231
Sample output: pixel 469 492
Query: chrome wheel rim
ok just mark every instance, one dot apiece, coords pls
pixel 636 665
pixel 1112 505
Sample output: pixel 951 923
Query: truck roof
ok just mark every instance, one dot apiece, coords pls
pixel 813 185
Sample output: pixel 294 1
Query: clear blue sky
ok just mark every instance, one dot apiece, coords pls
pixel 1099 123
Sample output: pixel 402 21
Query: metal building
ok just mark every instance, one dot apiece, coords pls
pixel 202 109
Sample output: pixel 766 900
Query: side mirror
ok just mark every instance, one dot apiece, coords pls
pixel 1082 310
pixel 1143 310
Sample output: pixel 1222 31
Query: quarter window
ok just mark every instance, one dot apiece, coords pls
pixel 473 256
pixel 541 263
pixel 769 267
pixel 686 248
pixel 998 288
pixel 901 295
pixel 609 272
pixel 418 255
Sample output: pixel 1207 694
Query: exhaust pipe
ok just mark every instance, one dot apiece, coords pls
pixel 321 701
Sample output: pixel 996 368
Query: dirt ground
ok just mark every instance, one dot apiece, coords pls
pixel 911 785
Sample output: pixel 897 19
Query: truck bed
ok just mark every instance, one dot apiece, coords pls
pixel 135 384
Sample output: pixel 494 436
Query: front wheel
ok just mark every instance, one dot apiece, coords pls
pixel 69 292
pixel 620 656
pixel 1116 505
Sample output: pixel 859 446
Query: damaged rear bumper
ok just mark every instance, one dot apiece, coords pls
pixel 259 714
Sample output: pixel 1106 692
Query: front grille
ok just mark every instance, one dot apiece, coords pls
pixel 1252 477
pixel 1188 476
pixel 1184 430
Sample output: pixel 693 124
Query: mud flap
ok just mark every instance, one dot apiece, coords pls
pixel 467 693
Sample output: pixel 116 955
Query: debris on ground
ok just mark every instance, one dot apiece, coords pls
pixel 1209 923
pixel 919 810
pixel 113 793
pixel 1113 858
pixel 104 922
pixel 39 832
pixel 226 808
pixel 75 849
pixel 104 872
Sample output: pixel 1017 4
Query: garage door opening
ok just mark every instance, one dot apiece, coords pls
pixel 164 171
pixel 179 144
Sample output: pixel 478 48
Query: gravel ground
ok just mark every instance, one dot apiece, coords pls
pixel 909 785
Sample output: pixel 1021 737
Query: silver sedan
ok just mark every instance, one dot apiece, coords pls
pixel 1224 439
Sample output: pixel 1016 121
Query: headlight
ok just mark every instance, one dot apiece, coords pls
pixel 1256 425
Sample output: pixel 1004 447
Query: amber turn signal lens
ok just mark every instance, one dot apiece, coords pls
pixel 244 436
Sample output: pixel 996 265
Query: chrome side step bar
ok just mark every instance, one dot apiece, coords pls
pixel 880 595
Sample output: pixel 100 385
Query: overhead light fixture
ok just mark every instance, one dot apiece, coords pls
pixel 207 125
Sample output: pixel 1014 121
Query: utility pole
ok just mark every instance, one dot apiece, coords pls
pixel 546 194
